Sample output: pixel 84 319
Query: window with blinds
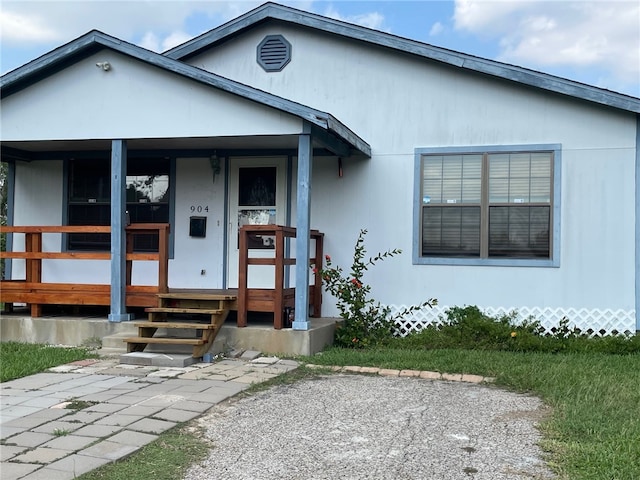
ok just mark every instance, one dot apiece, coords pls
pixel 486 205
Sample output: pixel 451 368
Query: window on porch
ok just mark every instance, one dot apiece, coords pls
pixel 89 199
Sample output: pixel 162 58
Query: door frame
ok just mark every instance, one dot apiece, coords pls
pixel 283 163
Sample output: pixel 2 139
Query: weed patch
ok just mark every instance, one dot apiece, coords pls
pixel 167 458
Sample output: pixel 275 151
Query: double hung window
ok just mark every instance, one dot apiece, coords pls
pixel 89 201
pixel 486 204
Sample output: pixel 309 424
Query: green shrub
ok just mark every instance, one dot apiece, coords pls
pixel 469 328
pixel 365 321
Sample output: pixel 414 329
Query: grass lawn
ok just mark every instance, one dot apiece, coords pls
pixel 21 359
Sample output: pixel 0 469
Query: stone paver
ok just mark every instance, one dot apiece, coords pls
pixel 47 473
pixel 119 420
pixel 29 439
pixel 58 427
pixel 10 451
pixel 41 455
pixel 175 415
pixel 6 432
pixel 137 439
pixel 150 425
pixel 97 431
pixel 13 471
pixel 79 464
pixel 109 450
pixel 71 443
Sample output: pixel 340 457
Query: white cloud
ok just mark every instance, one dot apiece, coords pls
pixel 577 34
pixel 436 29
pixel 174 39
pixel 17 27
pixel 63 20
pixel 373 20
pixel 150 42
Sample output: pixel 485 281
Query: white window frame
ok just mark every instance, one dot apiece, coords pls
pixel 553 261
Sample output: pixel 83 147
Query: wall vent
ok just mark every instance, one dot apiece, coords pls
pixel 274 52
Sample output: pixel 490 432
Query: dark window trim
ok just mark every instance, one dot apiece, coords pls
pixel 554 261
pixel 172 203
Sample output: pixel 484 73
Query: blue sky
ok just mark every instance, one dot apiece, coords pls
pixel 591 41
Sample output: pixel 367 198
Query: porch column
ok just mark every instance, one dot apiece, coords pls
pixel 118 237
pixel 11 194
pixel 303 229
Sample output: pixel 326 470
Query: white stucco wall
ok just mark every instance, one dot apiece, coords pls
pixel 131 100
pixel 398 103
pixel 196 187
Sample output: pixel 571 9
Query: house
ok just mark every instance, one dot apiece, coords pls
pixel 505 187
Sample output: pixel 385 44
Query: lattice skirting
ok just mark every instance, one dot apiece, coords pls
pixel 595 322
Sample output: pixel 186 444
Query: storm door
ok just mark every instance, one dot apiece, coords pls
pixel 257 196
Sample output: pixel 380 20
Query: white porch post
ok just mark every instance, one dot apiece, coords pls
pixel 118 237
pixel 303 229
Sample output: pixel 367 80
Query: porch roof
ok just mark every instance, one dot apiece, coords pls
pixel 328 130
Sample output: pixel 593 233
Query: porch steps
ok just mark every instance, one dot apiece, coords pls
pixel 198 334
pixel 186 325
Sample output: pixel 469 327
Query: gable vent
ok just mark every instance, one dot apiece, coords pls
pixel 274 52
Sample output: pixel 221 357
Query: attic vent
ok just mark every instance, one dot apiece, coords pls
pixel 274 52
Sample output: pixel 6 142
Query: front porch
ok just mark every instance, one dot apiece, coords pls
pixel 175 316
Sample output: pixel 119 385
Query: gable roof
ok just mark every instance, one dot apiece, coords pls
pixel 464 61
pixel 93 41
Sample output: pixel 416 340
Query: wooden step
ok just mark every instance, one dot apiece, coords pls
pixel 161 324
pixel 165 340
pixel 197 296
pixel 204 311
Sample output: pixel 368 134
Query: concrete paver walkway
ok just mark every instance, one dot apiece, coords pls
pixel 45 434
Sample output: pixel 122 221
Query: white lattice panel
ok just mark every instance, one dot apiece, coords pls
pixel 592 321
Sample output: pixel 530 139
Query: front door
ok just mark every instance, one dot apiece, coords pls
pixel 257 196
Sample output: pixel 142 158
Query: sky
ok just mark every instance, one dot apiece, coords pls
pixel 596 42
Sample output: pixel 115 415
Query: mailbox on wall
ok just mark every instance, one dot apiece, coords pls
pixel 198 227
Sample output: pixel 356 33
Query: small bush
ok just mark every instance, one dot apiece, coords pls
pixel 365 321
pixel 469 328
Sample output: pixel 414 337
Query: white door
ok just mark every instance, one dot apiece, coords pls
pixel 257 195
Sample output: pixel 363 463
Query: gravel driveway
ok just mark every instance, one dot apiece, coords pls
pixel 373 427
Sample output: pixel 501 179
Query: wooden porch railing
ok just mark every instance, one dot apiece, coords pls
pixel 279 298
pixel 34 292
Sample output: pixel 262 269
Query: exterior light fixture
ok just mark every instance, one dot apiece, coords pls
pixel 106 66
pixel 214 161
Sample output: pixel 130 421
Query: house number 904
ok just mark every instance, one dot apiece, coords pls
pixel 199 208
